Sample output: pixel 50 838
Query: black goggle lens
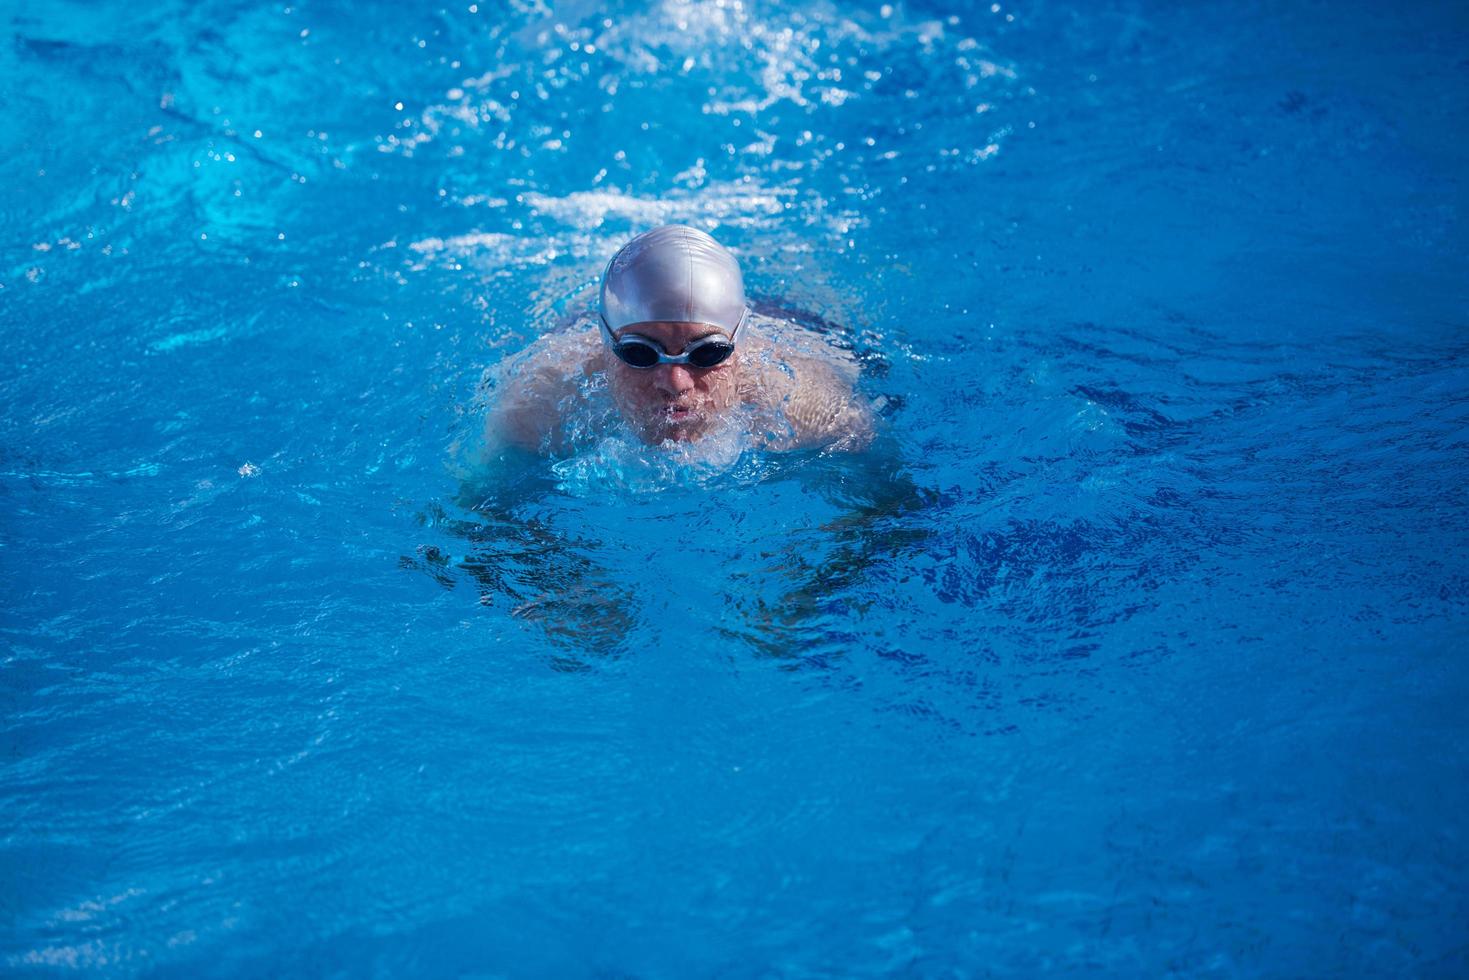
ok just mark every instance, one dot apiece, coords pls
pixel 710 354
pixel 638 354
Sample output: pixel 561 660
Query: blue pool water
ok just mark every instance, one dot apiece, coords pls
pixel 1135 647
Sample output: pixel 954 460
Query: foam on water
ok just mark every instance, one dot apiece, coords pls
pixel 622 463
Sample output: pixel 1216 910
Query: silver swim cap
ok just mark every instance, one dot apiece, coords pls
pixel 673 273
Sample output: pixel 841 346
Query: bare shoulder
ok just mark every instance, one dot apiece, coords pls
pixel 531 390
pixel 806 387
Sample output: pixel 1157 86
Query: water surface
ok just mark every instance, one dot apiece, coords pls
pixel 1135 646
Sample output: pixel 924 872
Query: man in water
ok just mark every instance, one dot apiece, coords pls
pixel 683 357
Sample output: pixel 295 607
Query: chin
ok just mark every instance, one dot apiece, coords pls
pixel 682 434
pixel 659 430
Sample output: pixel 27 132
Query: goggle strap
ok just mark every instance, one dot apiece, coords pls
pixel 607 327
pixel 661 355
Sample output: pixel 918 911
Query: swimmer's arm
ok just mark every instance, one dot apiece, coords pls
pixel 824 410
pixel 532 394
pixel 522 419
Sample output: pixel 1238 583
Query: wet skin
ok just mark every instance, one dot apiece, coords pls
pixel 797 397
pixel 672 401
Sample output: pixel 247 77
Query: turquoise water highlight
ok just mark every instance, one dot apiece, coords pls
pixel 1134 648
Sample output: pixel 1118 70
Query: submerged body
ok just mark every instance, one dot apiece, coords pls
pixel 682 355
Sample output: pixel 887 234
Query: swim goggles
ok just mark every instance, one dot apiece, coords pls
pixel 642 353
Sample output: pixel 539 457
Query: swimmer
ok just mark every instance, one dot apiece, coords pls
pixel 682 356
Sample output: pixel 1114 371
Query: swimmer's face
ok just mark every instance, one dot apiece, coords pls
pixel 672 401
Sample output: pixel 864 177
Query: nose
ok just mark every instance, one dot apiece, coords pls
pixel 673 380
